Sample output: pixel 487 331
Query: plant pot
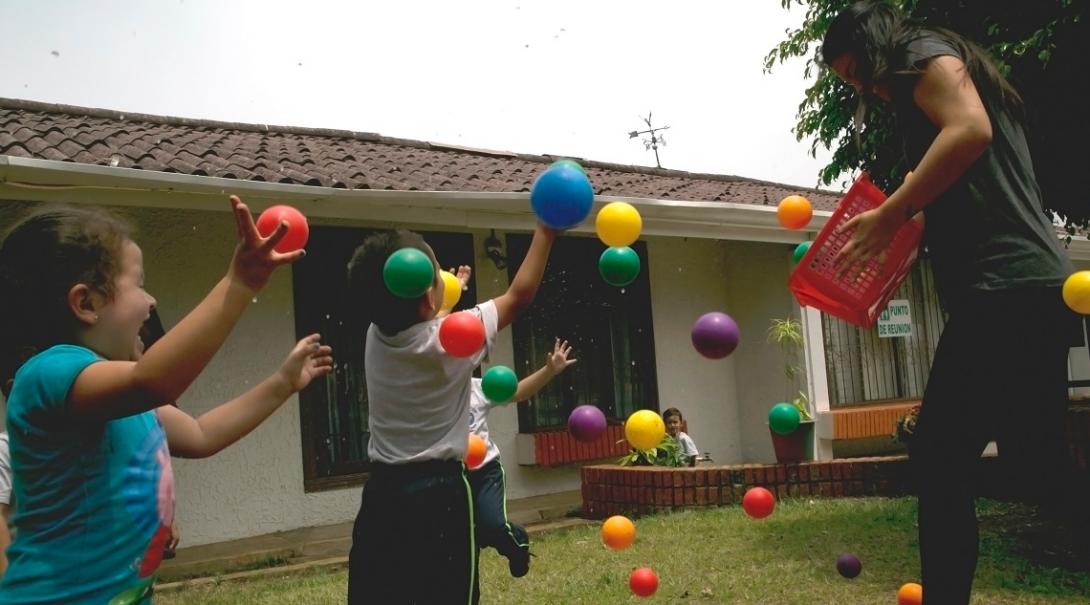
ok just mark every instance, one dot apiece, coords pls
pixel 796 446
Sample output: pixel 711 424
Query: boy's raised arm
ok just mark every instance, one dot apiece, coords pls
pixel 525 284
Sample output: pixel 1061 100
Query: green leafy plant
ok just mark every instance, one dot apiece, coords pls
pixel 1038 44
pixel 787 334
pixel 668 453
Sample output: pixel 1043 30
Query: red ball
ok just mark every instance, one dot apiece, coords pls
pixel 643 582
pixel 758 503
pixel 298 230
pixel 461 334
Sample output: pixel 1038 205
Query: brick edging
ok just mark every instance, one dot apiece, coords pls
pixel 611 489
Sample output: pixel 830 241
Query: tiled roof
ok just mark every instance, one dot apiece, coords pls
pixel 334 158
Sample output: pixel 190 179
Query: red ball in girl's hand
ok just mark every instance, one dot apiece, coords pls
pixel 298 230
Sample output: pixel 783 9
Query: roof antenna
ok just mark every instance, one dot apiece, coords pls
pixel 654 141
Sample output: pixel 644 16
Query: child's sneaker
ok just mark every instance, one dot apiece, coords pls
pixel 520 563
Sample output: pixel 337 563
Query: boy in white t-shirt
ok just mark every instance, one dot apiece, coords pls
pixel 413 537
pixel 672 418
pixel 488 481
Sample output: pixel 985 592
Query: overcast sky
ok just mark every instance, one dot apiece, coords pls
pixel 531 76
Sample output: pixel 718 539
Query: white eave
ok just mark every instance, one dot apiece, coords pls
pixel 23 179
pixel 26 179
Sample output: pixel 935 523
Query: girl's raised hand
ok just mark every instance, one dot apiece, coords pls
pixel 307 361
pixel 255 260
pixel 558 360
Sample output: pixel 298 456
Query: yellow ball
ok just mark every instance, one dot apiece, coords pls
pixel 618 224
pixel 452 290
pixel 1077 292
pixel 644 430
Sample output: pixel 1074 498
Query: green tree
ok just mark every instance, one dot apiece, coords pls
pixel 1043 47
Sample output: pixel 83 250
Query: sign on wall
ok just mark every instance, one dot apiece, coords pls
pixel 896 320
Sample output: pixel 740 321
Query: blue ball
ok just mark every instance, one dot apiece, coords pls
pixel 561 197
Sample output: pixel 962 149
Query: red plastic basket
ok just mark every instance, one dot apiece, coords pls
pixel 856 299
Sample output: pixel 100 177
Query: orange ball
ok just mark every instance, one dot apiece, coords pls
pixel 795 212
pixel 618 532
pixel 475 451
pixel 910 594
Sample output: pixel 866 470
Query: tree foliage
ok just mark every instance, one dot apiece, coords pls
pixel 1042 46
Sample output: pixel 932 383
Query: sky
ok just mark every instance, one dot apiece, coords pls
pixel 554 77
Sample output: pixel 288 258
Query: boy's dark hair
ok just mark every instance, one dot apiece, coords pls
pixel 368 296
pixel 672 412
pixel 42 257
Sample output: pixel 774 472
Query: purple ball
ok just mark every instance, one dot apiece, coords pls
pixel 715 335
pixel 848 565
pixel 586 423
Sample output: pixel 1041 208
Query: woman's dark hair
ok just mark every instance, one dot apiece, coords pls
pixel 874 32
pixel 368 297
pixel 41 258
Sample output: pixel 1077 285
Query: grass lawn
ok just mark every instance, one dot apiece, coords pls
pixel 718 555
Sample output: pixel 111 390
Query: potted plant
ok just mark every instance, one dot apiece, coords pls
pixel 667 453
pixel 787 334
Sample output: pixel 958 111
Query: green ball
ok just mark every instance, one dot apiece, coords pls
pixel 499 384
pixel 619 266
pixel 567 162
pixel 408 273
pixel 784 418
pixel 800 251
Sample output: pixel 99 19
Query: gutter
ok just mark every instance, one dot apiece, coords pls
pixel 29 179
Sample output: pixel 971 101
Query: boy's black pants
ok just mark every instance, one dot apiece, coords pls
pixel 413 542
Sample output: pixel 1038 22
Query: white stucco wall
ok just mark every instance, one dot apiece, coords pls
pixel 689 278
pixel 758 292
pixel 725 401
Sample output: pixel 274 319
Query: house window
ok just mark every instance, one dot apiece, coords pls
pixel 333 412
pixel 863 368
pixel 609 329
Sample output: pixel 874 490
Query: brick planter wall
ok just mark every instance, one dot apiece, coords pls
pixel 613 490
pixel 1078 434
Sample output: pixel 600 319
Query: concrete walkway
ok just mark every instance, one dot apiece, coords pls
pixel 329 544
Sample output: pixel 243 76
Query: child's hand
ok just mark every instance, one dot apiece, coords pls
pixel 175 538
pixel 463 274
pixel 558 360
pixel 254 259
pixel 307 361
